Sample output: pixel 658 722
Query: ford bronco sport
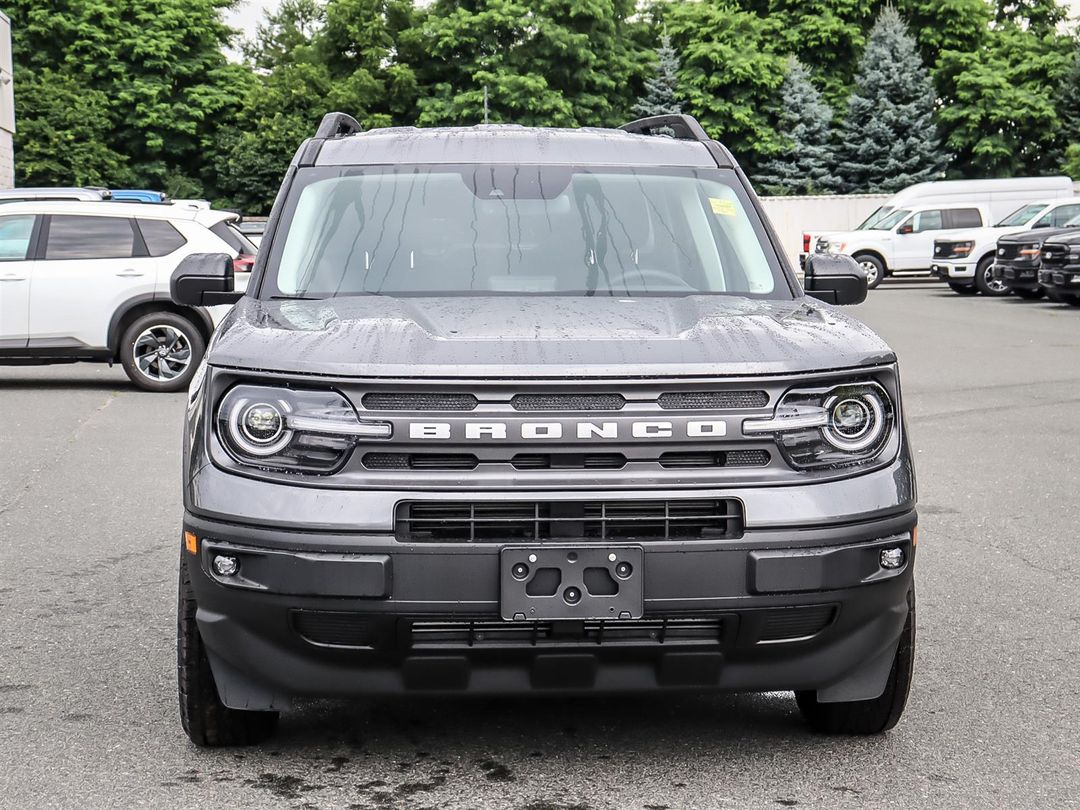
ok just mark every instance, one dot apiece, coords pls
pixel 510 410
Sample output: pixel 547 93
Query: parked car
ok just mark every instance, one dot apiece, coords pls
pixel 10 195
pixel 1017 259
pixel 901 240
pixel 966 260
pixel 613 447
pixel 1059 271
pixel 89 281
pixel 253 229
pixel 998 197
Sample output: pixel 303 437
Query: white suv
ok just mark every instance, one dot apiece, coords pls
pixel 89 281
pixel 901 239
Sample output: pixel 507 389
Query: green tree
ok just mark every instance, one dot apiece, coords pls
pixel 661 89
pixel 63 134
pixel 946 25
pixel 729 63
pixel 547 62
pixel 888 139
pixel 805 165
pixel 825 35
pixel 1000 116
pixel 159 64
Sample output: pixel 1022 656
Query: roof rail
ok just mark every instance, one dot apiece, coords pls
pixel 337 124
pixel 684 127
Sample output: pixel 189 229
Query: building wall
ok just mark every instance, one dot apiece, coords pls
pixel 791 216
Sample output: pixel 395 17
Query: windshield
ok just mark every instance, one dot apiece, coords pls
pixel 1021 216
pixel 520 230
pixel 890 221
pixel 872 220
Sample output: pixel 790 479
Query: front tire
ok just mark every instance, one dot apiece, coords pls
pixel 962 289
pixel 859 717
pixel 1030 295
pixel 207 721
pixel 985 281
pixel 874 267
pixel 160 351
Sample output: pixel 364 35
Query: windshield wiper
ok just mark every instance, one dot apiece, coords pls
pixel 295 298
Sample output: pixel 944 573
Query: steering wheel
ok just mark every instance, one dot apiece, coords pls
pixel 644 274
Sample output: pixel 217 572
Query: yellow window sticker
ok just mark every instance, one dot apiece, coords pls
pixel 725 208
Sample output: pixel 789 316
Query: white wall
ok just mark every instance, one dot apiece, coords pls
pixel 791 216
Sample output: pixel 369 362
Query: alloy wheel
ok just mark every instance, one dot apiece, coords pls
pixel 162 353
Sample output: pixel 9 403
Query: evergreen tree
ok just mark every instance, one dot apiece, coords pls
pixel 544 62
pixel 805 166
pixel 661 88
pixel 729 63
pixel 889 139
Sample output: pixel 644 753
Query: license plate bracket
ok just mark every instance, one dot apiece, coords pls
pixel 544 583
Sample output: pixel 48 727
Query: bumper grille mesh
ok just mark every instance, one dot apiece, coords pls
pixel 562 521
pixel 716 400
pixel 567 402
pixel 728 458
pixel 419 402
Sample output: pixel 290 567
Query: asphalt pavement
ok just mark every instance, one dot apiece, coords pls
pixel 89 521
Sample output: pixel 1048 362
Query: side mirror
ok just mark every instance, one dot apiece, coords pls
pixel 203 280
pixel 905 229
pixel 835 279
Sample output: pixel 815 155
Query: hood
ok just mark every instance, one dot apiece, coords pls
pixel 981 234
pixel 521 337
pixel 1039 234
pixel 1067 236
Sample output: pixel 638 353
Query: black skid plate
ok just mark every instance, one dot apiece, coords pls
pixel 540 583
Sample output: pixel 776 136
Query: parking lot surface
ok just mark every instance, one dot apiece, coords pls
pixel 89 540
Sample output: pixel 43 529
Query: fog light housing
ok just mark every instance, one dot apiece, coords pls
pixel 227 566
pixel 892 558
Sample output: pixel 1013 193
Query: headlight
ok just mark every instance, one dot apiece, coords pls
pixel 295 430
pixel 953 250
pixel 834 247
pixel 1030 251
pixel 830 427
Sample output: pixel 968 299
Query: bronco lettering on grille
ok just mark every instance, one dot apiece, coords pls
pixel 498 431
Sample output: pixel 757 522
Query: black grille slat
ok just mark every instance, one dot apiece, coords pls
pixel 719 458
pixel 419 402
pixel 430 634
pixel 713 400
pixel 568 461
pixel 419 461
pixel 334 629
pixel 568 402
pixel 540 521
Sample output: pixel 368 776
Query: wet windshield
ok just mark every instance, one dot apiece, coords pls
pixel 1021 216
pixel 890 221
pixel 875 217
pixel 521 230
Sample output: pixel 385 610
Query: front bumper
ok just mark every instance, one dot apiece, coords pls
pixel 956 272
pixel 1063 282
pixel 346 615
pixel 1018 276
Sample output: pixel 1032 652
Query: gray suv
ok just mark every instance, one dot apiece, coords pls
pixel 514 410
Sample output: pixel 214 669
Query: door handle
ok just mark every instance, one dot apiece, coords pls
pixel 12 277
pixel 130 273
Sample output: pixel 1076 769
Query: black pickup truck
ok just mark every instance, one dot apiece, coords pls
pixel 1060 267
pixel 1016 261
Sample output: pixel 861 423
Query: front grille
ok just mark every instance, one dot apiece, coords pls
pixel 1008 250
pixel 567 402
pixel 418 402
pixel 554 521
pixel 788 624
pixel 419 461
pixel 720 458
pixel 713 400
pixel 636 632
pixel 569 461
pixel 333 629
pixel 1054 256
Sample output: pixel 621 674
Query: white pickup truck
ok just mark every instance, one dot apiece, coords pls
pixel 898 239
pixel 965 260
